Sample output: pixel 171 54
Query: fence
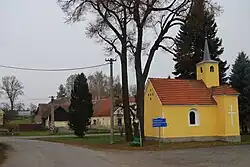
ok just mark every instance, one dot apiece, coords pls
pixel 24 127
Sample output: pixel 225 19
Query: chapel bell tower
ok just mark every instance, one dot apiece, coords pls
pixel 208 70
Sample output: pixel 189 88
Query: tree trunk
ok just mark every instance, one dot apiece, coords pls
pixel 125 99
pixel 140 104
pixel 136 129
pixel 11 105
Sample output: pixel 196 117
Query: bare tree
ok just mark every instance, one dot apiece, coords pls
pixel 19 106
pixel 117 88
pixel 123 25
pixel 5 107
pixel 32 107
pixel 61 93
pixel 109 26
pixel 70 83
pixel 132 90
pixel 98 84
pixel 13 88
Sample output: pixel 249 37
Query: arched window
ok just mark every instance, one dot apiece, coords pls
pixel 201 69
pixel 193 118
pixel 211 68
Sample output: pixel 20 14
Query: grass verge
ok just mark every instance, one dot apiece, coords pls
pixel 3 152
pixel 40 133
pixel 102 142
pixel 21 121
pixel 48 133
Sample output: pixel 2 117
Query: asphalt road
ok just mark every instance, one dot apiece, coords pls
pixel 31 153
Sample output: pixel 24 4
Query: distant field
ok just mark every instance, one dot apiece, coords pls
pixel 21 121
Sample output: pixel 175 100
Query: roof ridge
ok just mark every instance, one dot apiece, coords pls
pixel 173 79
pixel 177 79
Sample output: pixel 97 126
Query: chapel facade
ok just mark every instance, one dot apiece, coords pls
pixel 196 110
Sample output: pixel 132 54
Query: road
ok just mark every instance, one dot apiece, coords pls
pixel 31 153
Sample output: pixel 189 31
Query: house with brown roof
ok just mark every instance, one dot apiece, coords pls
pixel 101 114
pixel 195 110
pixel 43 113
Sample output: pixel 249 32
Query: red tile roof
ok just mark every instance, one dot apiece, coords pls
pixel 187 92
pixel 182 92
pixel 224 89
pixel 101 108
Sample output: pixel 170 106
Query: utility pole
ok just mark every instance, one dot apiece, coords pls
pixel 52 121
pixel 111 60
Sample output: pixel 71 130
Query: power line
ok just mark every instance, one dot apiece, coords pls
pixel 52 70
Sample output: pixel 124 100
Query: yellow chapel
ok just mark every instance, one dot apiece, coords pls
pixel 195 110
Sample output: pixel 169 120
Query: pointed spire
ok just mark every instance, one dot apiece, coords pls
pixel 206 55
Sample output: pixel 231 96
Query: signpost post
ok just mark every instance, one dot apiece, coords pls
pixel 159 123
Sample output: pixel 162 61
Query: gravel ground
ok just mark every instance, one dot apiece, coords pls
pixel 30 153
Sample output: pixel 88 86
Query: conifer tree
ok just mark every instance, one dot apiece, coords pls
pixel 240 79
pixel 81 107
pixel 189 46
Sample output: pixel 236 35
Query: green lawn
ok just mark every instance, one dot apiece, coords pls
pixel 34 133
pixel 40 133
pixel 104 139
pixel 96 131
pixel 46 133
pixel 21 121
pixel 245 138
pixel 103 142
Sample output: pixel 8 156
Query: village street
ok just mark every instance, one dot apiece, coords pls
pixel 31 153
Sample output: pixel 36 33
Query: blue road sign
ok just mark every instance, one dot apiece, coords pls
pixel 159 122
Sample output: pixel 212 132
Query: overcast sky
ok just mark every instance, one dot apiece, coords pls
pixel 33 34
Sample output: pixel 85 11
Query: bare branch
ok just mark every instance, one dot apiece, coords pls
pixel 166 49
pixel 173 18
pixel 165 8
pixel 13 89
pixel 111 43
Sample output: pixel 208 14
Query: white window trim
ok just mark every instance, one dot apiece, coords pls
pixel 197 117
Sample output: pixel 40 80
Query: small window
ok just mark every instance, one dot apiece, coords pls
pixel 201 70
pixel 193 118
pixel 94 122
pixel 211 68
